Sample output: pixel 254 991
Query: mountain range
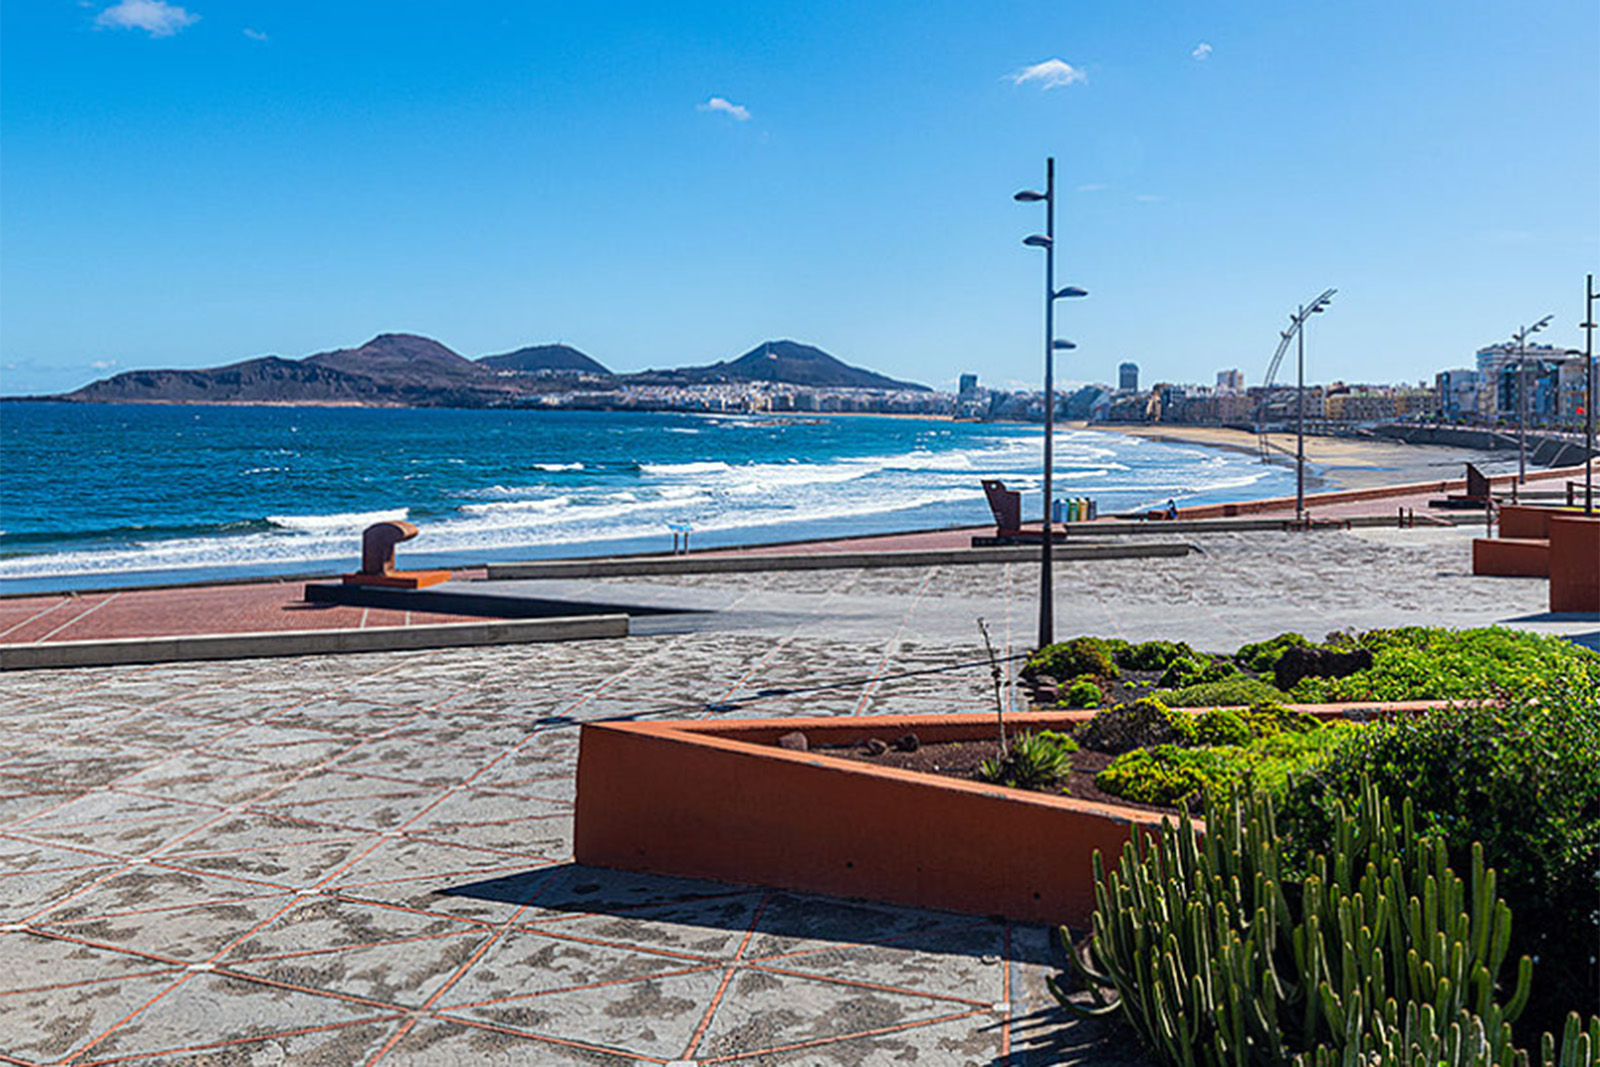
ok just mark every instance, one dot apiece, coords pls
pixel 408 370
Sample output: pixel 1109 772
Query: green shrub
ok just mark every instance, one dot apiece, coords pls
pixel 1084 692
pixel 1070 659
pixel 1219 958
pixel 1222 726
pixel 1152 655
pixel 1522 778
pixel 1167 775
pixel 1182 671
pixel 1417 663
pixel 1268 717
pixel 1178 777
pixel 1262 656
pixel 1035 761
pixel 1143 723
pixel 1237 691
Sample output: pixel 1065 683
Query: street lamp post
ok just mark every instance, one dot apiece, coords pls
pixel 1589 297
pixel 1297 329
pixel 1521 340
pixel 1047 241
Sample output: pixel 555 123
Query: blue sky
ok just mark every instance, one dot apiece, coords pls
pixel 658 184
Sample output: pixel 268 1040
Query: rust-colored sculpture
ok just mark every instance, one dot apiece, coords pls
pixel 377 559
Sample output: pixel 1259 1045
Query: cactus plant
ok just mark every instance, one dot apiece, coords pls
pixel 1219 957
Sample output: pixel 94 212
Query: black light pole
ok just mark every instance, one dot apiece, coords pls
pixel 1297 329
pixel 1047 241
pixel 1520 338
pixel 1589 297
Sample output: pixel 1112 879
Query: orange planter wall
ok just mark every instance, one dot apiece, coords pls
pixel 1574 563
pixel 721 801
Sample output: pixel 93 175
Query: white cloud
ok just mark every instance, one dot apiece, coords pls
pixel 1092 187
pixel 155 17
pixel 1202 52
pixel 102 364
pixel 256 35
pixel 718 103
pixel 1051 74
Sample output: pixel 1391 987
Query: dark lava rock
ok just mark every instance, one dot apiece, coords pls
pixel 795 741
pixel 1297 663
pixel 874 746
pixel 908 743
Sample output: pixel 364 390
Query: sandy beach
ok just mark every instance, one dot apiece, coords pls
pixel 1334 462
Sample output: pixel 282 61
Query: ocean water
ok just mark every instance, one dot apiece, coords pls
pixel 132 494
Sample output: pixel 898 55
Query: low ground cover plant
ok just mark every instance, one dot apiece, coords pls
pixel 1410 663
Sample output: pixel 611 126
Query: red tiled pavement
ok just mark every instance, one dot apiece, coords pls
pixel 203 609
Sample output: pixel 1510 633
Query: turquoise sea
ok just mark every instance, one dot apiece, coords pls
pixel 94 495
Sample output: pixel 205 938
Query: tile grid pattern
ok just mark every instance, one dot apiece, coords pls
pixel 248 859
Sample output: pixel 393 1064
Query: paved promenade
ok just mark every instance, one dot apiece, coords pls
pixel 367 858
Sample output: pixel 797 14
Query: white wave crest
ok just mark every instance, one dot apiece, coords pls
pixel 351 520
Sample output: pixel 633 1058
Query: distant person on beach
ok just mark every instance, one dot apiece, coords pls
pixel 1172 508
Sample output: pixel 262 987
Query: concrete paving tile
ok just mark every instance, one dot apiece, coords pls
pixel 18 856
pixel 24 895
pixel 473 807
pixel 405 973
pixel 712 928
pixel 203 778
pixel 549 837
pixel 792 922
pixel 524 963
pixel 653 1017
pixel 349 800
pixel 449 1043
pixel 343 715
pixel 323 1047
pixel 962 964
pixel 32 963
pixel 49 1026
pixel 209 1008
pixel 23 800
pixel 324 923
pixel 149 887
pixel 88 809
pixel 191 934
pixel 764 1010
pixel 78 764
pixel 414 761
pixel 129 838
pixel 398 858
pixel 168 730
pixel 973 1041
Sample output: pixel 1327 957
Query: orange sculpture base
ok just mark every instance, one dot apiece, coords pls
pixel 399 579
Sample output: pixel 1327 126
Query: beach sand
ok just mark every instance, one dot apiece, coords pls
pixel 1334 462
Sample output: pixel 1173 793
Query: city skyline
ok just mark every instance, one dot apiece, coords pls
pixel 192 184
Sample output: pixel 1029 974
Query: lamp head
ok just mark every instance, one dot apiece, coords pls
pixel 1070 291
pixel 1062 344
pixel 1029 196
pixel 1038 240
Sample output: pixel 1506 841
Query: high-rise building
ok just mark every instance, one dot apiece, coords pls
pixel 1231 380
pixel 1128 377
pixel 969 384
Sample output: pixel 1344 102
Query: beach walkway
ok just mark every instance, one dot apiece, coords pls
pixel 368 858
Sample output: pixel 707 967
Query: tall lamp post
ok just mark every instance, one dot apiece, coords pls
pixel 1297 329
pixel 1047 241
pixel 1520 339
pixel 1589 297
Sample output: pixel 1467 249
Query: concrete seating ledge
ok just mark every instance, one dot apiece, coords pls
pixel 811 561
pixel 138 650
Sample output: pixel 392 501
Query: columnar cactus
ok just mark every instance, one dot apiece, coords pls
pixel 1378 949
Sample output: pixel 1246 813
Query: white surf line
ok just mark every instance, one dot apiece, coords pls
pixel 78 618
